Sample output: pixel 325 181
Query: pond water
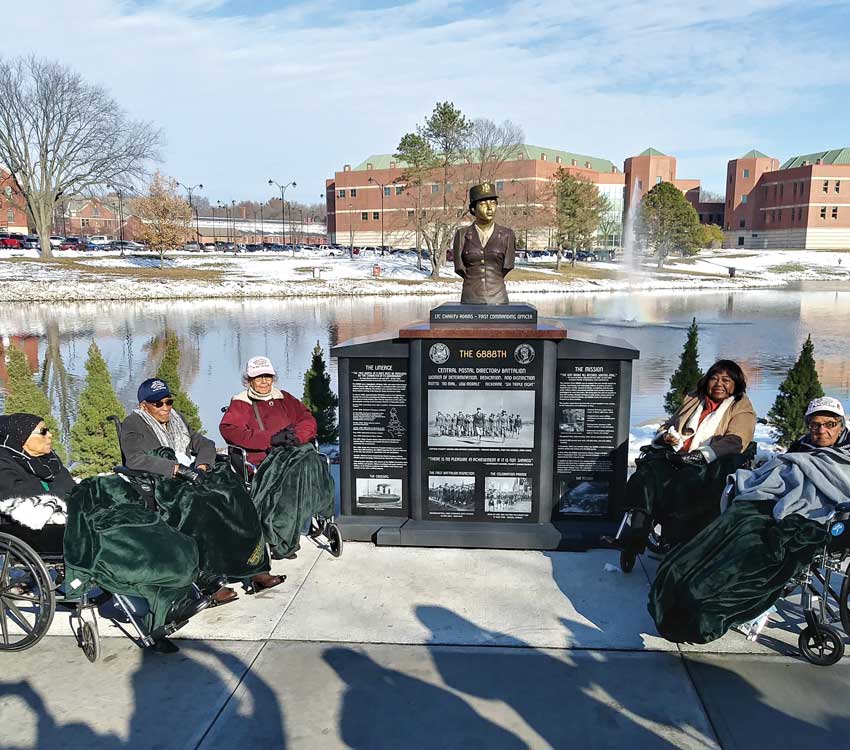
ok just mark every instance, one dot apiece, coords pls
pixel 763 330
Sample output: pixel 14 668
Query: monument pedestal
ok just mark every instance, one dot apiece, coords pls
pixel 466 431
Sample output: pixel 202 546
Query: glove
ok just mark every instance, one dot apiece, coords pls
pixel 188 474
pixel 285 438
pixel 694 458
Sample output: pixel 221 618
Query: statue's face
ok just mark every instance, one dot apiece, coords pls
pixel 485 211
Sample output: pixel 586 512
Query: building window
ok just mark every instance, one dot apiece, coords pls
pixel 773 215
pixel 640 184
pixel 500 186
pixel 775 188
pixel 364 216
pixel 838 186
pixel 448 187
pixel 340 194
pixel 369 165
pixel 376 215
pixel 387 191
pixel 823 212
pixel 744 198
pixel 701 218
pixel 835 212
pixel 83 222
pixel 781 189
pixel 779 215
pixel 558 160
pixel 573 163
pixel 795 189
pixel 435 188
pixel 399 189
pixel 10 215
pixel 740 241
pixel 542 157
pixel 410 214
pixel 766 218
pixel 658 180
pixel 95 211
pixel 742 223
pixel 826 186
pixel 353 193
pixel 800 214
pixel 746 173
pixel 587 164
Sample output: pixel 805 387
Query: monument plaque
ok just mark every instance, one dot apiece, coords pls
pixel 481 410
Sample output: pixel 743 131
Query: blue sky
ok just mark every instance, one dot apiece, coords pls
pixel 245 90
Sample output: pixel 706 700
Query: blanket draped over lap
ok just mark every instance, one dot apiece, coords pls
pixel 112 538
pixel 290 486
pixel 219 516
pixel 737 566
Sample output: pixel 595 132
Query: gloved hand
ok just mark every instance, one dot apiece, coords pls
pixel 693 458
pixel 188 474
pixel 285 438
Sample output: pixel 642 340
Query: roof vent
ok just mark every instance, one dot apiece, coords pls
pixel 368 165
pixel 346 168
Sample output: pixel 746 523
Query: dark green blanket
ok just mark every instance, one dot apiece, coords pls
pixel 112 539
pixel 731 572
pixel 220 517
pixel 683 499
pixel 290 486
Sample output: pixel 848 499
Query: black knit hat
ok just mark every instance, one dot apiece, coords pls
pixel 15 429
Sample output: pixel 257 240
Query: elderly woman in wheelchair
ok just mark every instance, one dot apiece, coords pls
pixel 271 439
pixel 784 525
pixel 43 520
pixel 680 476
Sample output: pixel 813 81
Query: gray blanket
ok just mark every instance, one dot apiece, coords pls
pixel 808 484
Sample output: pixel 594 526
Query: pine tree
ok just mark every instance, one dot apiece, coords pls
pixel 319 398
pixel 24 395
pixel 686 377
pixel 168 371
pixel 787 415
pixel 94 445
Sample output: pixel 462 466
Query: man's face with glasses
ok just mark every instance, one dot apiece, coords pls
pixel 159 410
pixel 824 429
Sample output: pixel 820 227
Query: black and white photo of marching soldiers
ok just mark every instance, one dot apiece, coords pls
pixel 507 495
pixel 486 418
pixel 378 493
pixel 451 493
pixel 572 421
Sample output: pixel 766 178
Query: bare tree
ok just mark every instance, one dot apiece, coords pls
pixel 62 136
pixel 490 145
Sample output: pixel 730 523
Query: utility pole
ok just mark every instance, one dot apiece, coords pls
pixel 382 186
pixel 192 206
pixel 283 203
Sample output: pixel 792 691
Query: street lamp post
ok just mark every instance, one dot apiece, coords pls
pixel 283 204
pixel 350 232
pixel 233 219
pixel 262 227
pixel 223 206
pixel 215 229
pixel 192 206
pixel 382 186
pixel 120 218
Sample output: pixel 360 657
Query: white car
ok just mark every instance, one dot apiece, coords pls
pixel 99 239
pixel 56 240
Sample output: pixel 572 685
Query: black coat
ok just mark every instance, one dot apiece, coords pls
pixel 483 269
pixel 138 440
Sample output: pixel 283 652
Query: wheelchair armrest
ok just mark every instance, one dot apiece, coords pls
pixel 127 472
pixel 842 508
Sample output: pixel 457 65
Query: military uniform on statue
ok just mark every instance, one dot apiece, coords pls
pixel 484 251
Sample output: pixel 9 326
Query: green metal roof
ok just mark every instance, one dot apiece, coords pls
pixel 383 161
pixel 834 156
pixel 753 154
pixel 651 152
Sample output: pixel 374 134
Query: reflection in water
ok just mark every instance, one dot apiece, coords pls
pixel 762 329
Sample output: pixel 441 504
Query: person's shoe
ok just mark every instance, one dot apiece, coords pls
pixel 266 581
pixel 224 595
pixel 210 584
pixel 185 609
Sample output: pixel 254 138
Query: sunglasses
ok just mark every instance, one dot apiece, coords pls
pixel 163 402
pixel 42 431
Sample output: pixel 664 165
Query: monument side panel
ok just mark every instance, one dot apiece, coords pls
pixel 379 432
pixel 481 421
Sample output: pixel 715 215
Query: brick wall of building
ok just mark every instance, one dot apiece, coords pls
pixel 13 216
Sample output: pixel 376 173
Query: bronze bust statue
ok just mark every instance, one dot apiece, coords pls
pixel 484 251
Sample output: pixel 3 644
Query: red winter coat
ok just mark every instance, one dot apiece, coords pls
pixel 239 424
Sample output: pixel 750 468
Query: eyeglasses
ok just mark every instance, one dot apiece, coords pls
pixel 41 431
pixel 830 425
pixel 162 402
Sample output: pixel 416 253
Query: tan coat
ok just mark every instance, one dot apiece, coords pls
pixel 733 434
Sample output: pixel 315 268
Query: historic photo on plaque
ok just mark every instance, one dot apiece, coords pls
pixel 485 417
pixel 507 495
pixel 378 494
pixel 449 494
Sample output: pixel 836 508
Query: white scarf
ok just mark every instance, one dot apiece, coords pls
pixel 702 433
pixel 174 434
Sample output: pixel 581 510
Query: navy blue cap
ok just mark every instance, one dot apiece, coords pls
pixel 153 389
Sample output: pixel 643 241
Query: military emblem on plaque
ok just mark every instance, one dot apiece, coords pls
pixel 524 354
pixel 439 353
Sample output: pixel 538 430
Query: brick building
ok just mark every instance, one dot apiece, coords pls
pixel 86 217
pixel 650 168
pixel 13 216
pixel 370 200
pixel 804 204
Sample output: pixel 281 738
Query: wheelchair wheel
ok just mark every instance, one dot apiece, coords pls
pixel 627 560
pixel 316 528
pixel 334 539
pixel 89 639
pixel 27 599
pixel 843 609
pixel 822 646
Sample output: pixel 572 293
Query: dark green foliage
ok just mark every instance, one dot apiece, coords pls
pixel 320 399
pixel 799 387
pixel 168 371
pixel 94 445
pixel 686 377
pixel 668 222
pixel 24 395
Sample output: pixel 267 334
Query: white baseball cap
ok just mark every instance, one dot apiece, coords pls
pixel 825 404
pixel 259 366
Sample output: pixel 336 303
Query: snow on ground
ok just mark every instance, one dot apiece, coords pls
pixel 311 274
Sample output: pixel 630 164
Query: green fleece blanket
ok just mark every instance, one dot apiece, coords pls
pixel 219 516
pixel 112 539
pixel 730 572
pixel 290 486
pixel 684 499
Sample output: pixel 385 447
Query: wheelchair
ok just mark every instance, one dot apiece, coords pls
pixel 319 525
pixel 31 590
pixel 656 542
pixel 824 604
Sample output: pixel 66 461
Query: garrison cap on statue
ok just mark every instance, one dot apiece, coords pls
pixel 484 191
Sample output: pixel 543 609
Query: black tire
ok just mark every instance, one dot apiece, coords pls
pixel 89 639
pixel 823 654
pixel 843 596
pixel 27 598
pixel 316 528
pixel 334 539
pixel 627 560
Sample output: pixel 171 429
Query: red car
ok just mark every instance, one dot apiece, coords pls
pixel 15 241
pixel 73 243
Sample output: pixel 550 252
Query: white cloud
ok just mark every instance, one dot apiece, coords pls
pixel 295 94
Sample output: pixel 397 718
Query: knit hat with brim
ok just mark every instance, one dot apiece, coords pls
pixel 15 429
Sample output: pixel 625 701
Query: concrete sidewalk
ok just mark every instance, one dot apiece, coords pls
pixel 428 648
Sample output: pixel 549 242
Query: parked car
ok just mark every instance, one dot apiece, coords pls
pixel 14 241
pixel 209 247
pixel 56 240
pixel 192 247
pixel 73 243
pixel 32 242
pixel 254 247
pixel 99 239
pixel 128 246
